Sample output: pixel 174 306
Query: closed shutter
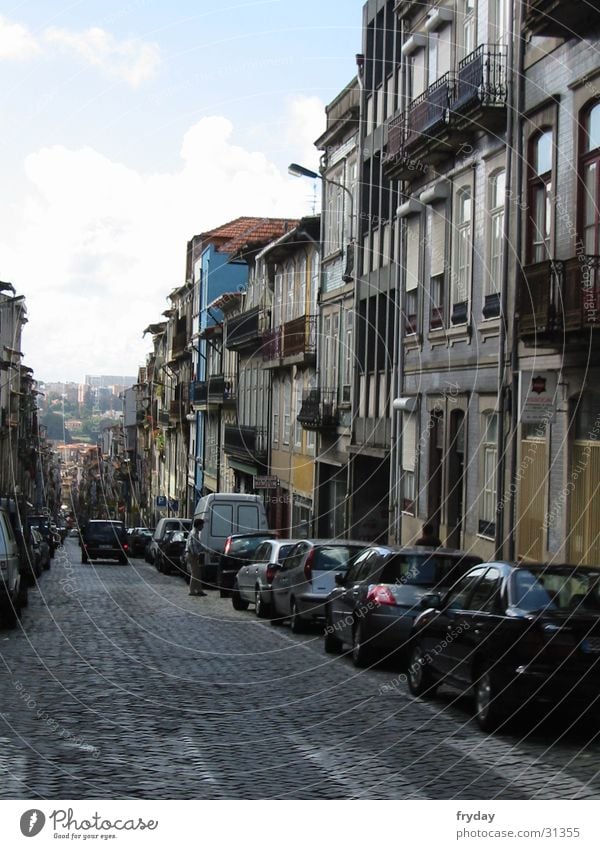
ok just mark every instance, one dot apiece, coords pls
pixel 437 240
pixel 409 441
pixel 413 237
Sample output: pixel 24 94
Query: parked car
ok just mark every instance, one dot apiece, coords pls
pixel 138 538
pixel 105 539
pixel 301 586
pixel 10 573
pixel 43 524
pixel 253 581
pixel 225 514
pixel 162 528
pixel 169 552
pixel 239 550
pixel 38 557
pixel 377 599
pixel 512 635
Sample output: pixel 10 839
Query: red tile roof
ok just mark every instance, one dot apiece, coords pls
pixel 248 232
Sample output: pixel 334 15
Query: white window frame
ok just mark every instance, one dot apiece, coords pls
pixel 463 246
pixel 496 232
pixel 275 400
pixel 489 467
pixel 298 384
pixel 287 406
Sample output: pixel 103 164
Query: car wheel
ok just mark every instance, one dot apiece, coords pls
pixel 237 601
pixel 420 679
pixel 297 624
pixel 489 709
pixel 261 607
pixel 362 655
pixel 47 565
pixel 23 593
pixel 332 644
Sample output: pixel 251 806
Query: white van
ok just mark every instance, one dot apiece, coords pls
pixel 226 513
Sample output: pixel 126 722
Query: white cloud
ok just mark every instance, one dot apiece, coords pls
pixel 131 60
pixel 16 42
pixel 100 245
pixel 306 122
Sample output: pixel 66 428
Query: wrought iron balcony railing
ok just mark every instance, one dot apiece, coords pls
pixel 217 389
pixel 245 442
pixel 319 410
pixel 428 113
pixel 300 336
pixel 245 329
pixel 481 79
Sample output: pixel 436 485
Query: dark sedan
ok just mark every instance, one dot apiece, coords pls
pixel 512 635
pixel 376 601
pixel 239 550
pixel 138 539
pixel 169 552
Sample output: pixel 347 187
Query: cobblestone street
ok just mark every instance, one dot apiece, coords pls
pixel 118 684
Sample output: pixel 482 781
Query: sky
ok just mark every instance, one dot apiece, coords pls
pixel 128 126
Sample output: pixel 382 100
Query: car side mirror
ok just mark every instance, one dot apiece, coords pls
pixel 431 600
pixel 340 579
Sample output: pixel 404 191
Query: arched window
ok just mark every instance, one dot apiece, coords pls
pixel 590 180
pixel 540 196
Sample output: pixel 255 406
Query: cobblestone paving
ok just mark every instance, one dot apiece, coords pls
pixel 118 684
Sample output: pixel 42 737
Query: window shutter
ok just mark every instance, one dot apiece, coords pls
pixel 413 233
pixel 409 441
pixel 438 241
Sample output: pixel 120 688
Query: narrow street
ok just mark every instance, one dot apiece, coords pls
pixel 119 684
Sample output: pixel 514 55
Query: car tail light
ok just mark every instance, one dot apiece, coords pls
pixel 380 594
pixel 227 545
pixel 308 565
pixel 270 574
pixel 125 546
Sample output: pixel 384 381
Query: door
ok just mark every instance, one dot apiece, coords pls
pixel 584 502
pixel 455 478
pixel 533 468
pixel 436 454
pixel 286 579
pixel 346 598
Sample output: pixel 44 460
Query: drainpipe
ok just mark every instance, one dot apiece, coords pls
pixel 505 396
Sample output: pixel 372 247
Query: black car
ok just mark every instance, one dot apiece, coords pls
pixel 376 601
pixel 104 539
pixel 239 550
pixel 43 525
pixel 513 635
pixel 138 539
pixel 169 552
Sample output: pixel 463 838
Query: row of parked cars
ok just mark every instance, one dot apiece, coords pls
pixel 510 634
pixel 27 546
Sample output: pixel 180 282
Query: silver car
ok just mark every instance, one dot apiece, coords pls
pixel 253 581
pixel 306 577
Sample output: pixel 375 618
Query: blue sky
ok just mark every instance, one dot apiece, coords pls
pixel 127 127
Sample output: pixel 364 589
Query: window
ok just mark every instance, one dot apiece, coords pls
pixel 437 240
pixel 310 434
pixel 247 519
pixel 496 232
pixel 289 292
pixel 416 64
pixel 540 196
pixel 489 462
pixel 459 597
pixel 334 211
pixel 301 291
pixel 413 252
pixel 463 254
pixel 409 461
pixel 468 27
pixel 590 179
pixel 347 356
pixel 221 520
pixel 432 58
pixel 486 596
pixel 298 403
pixel 275 402
pixel 498 21
pixel 287 405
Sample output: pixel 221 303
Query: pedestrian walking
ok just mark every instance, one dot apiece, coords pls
pixel 195 554
pixel 429 536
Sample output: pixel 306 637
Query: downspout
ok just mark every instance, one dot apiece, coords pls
pixel 518 147
pixel 503 390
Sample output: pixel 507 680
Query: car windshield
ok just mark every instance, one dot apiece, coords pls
pixel 104 530
pixel 333 559
pixel 425 570
pixel 557 589
pixel 245 547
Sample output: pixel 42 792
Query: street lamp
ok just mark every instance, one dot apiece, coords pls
pixel 300 171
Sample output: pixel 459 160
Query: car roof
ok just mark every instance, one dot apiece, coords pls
pixel 423 549
pixel 265 534
pixel 338 542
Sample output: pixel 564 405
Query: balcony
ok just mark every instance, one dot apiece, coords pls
pixel 271 346
pixel 300 337
pixel 178 345
pixel 480 90
pixel 245 329
pixel 163 417
pixel 559 300
pixel 319 410
pixel 218 389
pixel 177 412
pixel 562 18
pixel 246 443
pixel 418 137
